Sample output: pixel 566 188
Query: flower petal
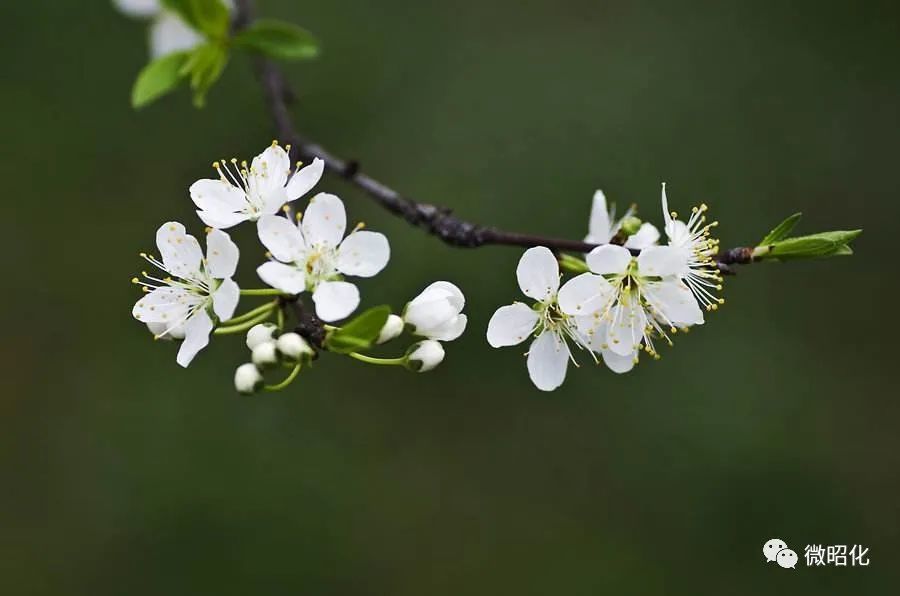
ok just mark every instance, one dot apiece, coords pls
pixel 584 294
pixel 363 254
pixel 164 305
pixel 225 299
pixel 164 331
pixel 221 255
pixel 305 179
pixel 324 221
pixel 599 227
pixel 450 330
pixel 538 273
pixel 138 8
pixel 618 363
pixel 268 174
pixel 169 34
pixel 335 300
pixel 196 337
pixel 626 328
pixel 218 196
pixel 674 302
pixel 180 252
pixel 283 239
pixel 222 220
pixel 609 259
pixel 660 261
pixel 287 278
pixel 548 359
pixel 511 325
pixel 647 235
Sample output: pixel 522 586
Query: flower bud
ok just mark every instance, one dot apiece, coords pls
pixel 424 356
pixel 631 225
pixel 265 355
pixel 294 348
pixel 259 334
pixel 435 313
pixel 392 328
pixel 247 379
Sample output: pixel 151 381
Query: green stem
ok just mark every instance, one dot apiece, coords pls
pixel 243 326
pixel 290 379
pixel 250 314
pixel 381 361
pixel 573 264
pixel 280 319
pixel 262 292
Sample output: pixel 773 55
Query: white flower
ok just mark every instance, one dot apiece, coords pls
pixel 260 334
pixel 696 248
pixel 194 288
pixel 293 347
pixel 162 331
pixel 626 301
pixel 392 328
pixel 247 379
pixel 435 313
pixel 265 355
pixel 313 257
pixel 246 193
pixel 603 226
pixel 425 355
pixel 168 31
pixel 549 355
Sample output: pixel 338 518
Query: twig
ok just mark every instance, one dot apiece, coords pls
pixel 434 219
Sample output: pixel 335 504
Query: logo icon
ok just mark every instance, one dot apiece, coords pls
pixel 776 550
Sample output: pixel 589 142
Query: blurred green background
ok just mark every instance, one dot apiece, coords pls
pixel 122 473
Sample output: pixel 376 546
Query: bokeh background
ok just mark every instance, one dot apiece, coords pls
pixel 122 473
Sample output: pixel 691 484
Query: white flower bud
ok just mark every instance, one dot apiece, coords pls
pixel 247 379
pixel 265 355
pixel 392 328
pixel 293 347
pixel 259 334
pixel 435 313
pixel 425 355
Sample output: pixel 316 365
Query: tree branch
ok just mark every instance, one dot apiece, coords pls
pixel 434 219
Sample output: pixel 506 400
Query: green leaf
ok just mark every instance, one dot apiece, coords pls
pixel 360 333
pixel 204 67
pixel 823 244
pixel 158 78
pixel 782 230
pixel 210 17
pixel 278 39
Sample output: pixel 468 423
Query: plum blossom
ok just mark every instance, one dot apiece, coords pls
pixel 194 290
pixel 314 256
pixel 696 248
pixel 549 354
pixel 625 301
pixel 436 312
pixel 247 192
pixel 169 33
pixel 603 226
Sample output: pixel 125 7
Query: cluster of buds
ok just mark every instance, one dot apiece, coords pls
pixel 270 349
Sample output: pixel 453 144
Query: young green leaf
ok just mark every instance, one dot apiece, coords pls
pixel 360 333
pixel 210 17
pixel 781 231
pixel 205 66
pixel 158 78
pixel 823 244
pixel 278 39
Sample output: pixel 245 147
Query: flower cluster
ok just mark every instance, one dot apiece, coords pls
pixel 195 295
pixel 633 293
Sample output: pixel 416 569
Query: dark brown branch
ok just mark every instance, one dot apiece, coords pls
pixel 435 219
